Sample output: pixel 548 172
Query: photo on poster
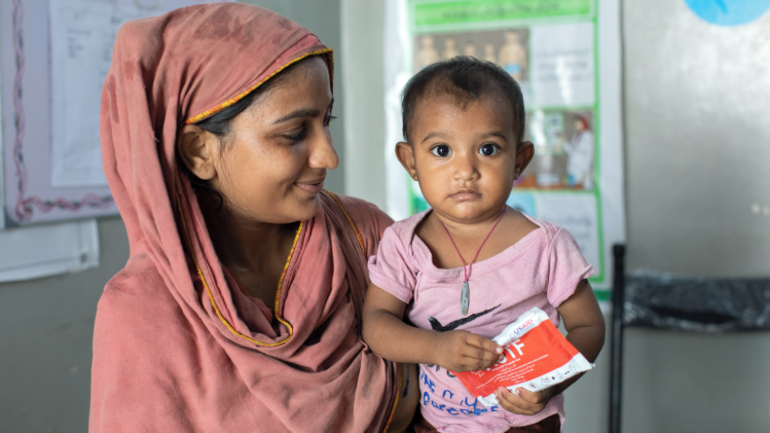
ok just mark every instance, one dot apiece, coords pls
pixel 564 150
pixel 507 48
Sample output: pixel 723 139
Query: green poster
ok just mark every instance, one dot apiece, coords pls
pixel 462 12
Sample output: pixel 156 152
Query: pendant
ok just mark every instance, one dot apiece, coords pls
pixel 465 299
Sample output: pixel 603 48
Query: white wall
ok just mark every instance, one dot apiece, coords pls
pixel 46 326
pixel 362 28
pixel 697 133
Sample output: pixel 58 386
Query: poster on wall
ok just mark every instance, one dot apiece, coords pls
pixel 55 55
pixel 565 55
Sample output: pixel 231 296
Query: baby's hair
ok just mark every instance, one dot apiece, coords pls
pixel 466 79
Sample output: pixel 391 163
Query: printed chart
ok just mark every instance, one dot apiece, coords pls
pixel 55 56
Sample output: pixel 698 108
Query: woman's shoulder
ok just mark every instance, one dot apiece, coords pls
pixel 139 324
pixel 141 352
pixel 139 277
pixel 367 218
pixel 136 300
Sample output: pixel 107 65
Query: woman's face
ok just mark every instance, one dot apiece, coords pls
pixel 272 165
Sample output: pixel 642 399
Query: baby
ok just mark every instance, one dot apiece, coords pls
pixel 447 280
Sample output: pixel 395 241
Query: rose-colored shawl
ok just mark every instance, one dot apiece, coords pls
pixel 179 346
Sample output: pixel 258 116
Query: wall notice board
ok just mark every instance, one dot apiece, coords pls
pixel 54 57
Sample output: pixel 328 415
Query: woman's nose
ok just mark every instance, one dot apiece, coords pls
pixel 322 154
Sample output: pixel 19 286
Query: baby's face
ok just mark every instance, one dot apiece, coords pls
pixel 465 158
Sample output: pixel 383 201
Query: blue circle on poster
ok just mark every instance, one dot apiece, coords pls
pixel 729 12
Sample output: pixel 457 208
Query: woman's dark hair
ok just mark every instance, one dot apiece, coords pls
pixel 467 79
pixel 219 124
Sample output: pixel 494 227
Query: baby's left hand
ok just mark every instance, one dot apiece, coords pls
pixel 524 402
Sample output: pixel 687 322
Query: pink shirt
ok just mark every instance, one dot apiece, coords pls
pixel 541 270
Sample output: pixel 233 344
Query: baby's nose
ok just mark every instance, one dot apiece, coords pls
pixel 465 169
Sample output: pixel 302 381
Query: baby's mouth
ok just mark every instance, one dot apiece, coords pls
pixel 465 194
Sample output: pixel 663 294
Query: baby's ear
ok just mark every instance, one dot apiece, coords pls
pixel 525 151
pixel 405 155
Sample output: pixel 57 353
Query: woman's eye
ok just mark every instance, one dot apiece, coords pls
pixel 299 136
pixel 488 149
pixel 441 150
pixel 329 119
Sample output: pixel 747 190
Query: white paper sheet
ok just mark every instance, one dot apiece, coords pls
pixel 82 36
pixel 82 33
pixel 577 214
pixel 44 250
pixel 563 65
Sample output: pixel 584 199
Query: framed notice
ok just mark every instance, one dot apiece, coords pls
pixel 54 57
pixel 565 55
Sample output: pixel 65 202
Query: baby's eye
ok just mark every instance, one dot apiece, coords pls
pixel 488 149
pixel 441 150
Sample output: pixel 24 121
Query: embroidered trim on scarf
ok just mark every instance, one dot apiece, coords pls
pixel 355 229
pixel 363 249
pixel 211 295
pixel 232 101
pixel 395 400
pixel 278 294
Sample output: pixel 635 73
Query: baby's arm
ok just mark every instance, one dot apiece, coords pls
pixel 584 323
pixel 389 337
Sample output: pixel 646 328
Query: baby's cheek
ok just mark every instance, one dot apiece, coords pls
pixel 433 188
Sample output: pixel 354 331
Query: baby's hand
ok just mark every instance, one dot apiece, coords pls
pixel 464 351
pixel 524 402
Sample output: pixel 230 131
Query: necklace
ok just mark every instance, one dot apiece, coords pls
pixel 465 295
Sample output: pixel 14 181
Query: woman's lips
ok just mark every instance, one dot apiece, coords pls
pixel 311 187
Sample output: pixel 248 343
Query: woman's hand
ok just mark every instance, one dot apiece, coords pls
pixel 523 402
pixel 464 351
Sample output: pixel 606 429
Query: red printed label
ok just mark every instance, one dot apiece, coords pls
pixel 541 350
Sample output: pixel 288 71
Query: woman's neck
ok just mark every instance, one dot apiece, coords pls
pixel 254 252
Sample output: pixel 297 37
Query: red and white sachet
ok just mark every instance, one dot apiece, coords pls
pixel 536 356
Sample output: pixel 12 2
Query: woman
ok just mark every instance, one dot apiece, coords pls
pixel 239 307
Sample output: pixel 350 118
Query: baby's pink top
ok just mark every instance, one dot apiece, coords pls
pixel 541 270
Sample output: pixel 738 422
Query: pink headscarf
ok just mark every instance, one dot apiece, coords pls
pixel 179 346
